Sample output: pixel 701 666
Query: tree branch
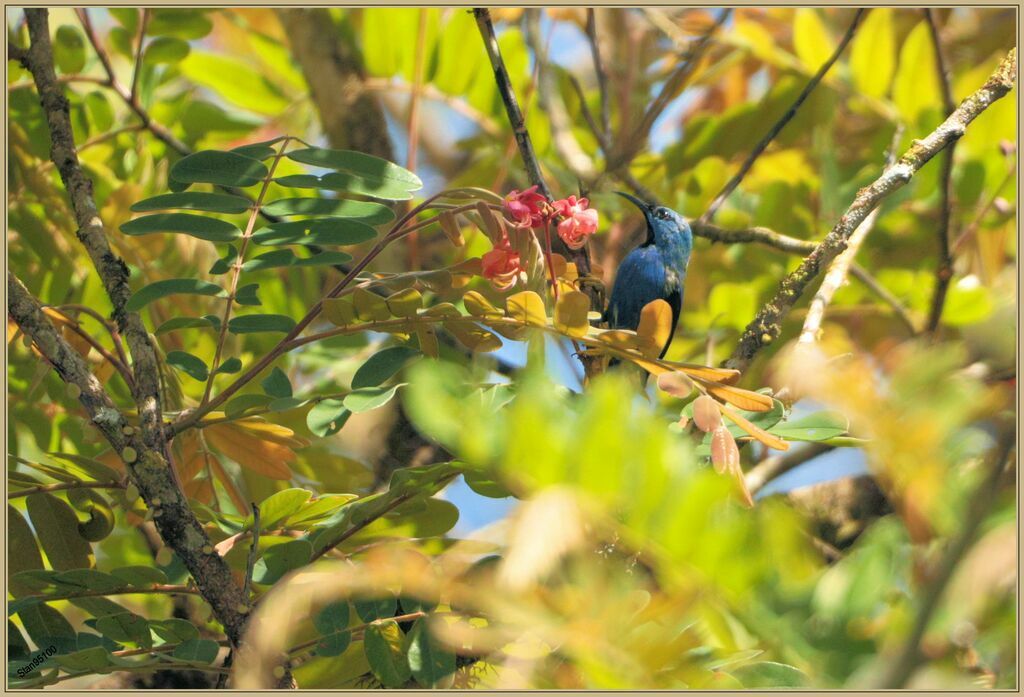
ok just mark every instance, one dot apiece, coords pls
pixel 944 268
pixel 351 118
pixel 146 466
pixel 669 91
pixel 144 450
pixel 731 185
pixel 767 325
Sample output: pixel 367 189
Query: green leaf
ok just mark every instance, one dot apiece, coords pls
pixel 101 114
pixel 43 624
pixel 56 526
pixel 259 151
pixel 769 674
pixel 332 622
pixel 93 660
pixel 246 295
pixel 278 506
pixel 195 201
pixel 382 365
pixel 285 257
pixel 69 49
pixel 368 398
pixel 174 630
pixel 428 661
pixel 359 173
pixel 201 118
pixel 327 417
pixel 250 324
pixel 100 510
pixel 216 167
pixel 98 606
pixel 873 53
pixel 200 226
pixel 165 49
pixel 280 559
pixel 916 86
pixel 236 82
pixel 370 213
pixel 126 627
pixel 197 651
pixel 242 403
pixel 87 468
pixel 382 644
pixel 193 366
pixel 22 551
pixel 89 579
pixel 277 384
pixel 376 608
pixel 176 323
pixel 171 286
pixel 140 576
pixel 184 24
pixel 813 428
pixel 229 367
pixel 323 232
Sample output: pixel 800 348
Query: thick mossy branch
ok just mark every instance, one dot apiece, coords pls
pixel 767 325
pixel 147 468
pixel 143 449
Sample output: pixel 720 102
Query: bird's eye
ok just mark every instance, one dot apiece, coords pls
pixel 661 213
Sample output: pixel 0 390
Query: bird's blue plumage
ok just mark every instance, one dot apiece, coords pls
pixel 656 269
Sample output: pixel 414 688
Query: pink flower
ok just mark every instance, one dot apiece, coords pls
pixel 578 222
pixel 502 266
pixel 526 207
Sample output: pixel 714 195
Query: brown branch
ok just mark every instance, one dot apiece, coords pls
pixel 760 235
pixel 776 128
pixel 767 325
pixel 898 671
pixel 601 73
pixel 144 448
pixel 350 117
pixel 147 468
pixel 675 82
pixel 131 100
pixel 944 267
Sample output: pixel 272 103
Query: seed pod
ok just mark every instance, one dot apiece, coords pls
pixel 129 455
pixel 74 391
pixel 725 454
pixel 706 413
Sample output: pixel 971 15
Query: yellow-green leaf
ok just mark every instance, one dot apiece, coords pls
pixel 873 53
pixel 370 307
pixel 916 87
pixel 811 39
pixel 571 312
pixel 527 307
pixel 340 311
pixel 405 303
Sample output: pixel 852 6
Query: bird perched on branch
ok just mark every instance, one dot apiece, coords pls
pixel 656 269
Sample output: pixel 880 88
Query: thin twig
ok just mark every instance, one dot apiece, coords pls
pixel 717 202
pixel 140 41
pixel 944 267
pixel 885 295
pixel 122 368
pixel 767 325
pixel 430 91
pixel 412 126
pixel 601 73
pixel 236 269
pixel 899 670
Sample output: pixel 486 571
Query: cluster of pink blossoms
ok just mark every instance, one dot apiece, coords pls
pixel 530 210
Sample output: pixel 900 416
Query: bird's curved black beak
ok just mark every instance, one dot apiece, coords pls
pixel 645 207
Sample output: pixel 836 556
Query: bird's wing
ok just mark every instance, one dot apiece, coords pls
pixel 640 279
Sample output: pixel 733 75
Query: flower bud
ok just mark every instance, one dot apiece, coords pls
pixel 706 414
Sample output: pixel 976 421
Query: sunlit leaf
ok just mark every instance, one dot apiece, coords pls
pixel 216 167
pixel 199 226
pixel 365 211
pixel 873 53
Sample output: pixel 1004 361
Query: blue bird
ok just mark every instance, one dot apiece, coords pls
pixel 655 269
